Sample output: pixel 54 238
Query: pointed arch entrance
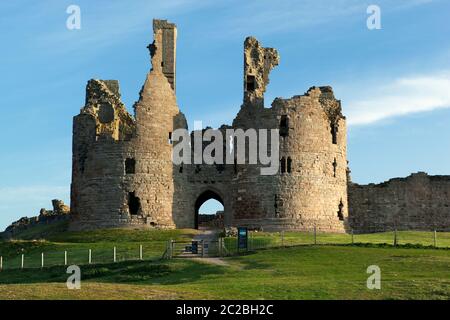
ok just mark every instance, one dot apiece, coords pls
pixel 202 198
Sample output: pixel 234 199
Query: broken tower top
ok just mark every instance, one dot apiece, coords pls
pixel 163 49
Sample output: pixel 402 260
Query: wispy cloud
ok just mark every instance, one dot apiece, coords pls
pixel 267 16
pixel 397 97
pixel 110 23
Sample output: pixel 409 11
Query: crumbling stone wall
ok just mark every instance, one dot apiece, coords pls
pixel 122 169
pixel 123 174
pixel 418 202
pixel 60 212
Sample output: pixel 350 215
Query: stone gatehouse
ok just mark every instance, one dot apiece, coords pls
pixel 123 174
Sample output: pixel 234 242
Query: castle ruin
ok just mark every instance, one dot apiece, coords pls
pixel 123 174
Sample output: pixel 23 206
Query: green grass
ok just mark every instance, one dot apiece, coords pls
pixel 305 272
pixel 77 244
pixel 299 271
pixel 418 239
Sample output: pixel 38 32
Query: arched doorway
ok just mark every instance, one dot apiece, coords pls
pixel 204 197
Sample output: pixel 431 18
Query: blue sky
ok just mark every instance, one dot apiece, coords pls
pixel 394 83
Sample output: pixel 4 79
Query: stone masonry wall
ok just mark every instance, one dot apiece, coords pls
pixel 122 168
pixel 418 202
pixel 123 174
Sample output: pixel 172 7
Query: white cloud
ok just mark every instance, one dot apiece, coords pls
pixel 397 97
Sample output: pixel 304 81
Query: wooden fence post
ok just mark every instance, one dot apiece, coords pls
pixel 315 235
pixel 203 248
pixel 353 239
pixel 115 255
pixel 395 238
pixel 42 260
pixel 65 258
pixel 1 263
pixel 23 258
pixel 140 253
pixel 90 256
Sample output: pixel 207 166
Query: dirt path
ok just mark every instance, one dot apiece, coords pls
pixel 215 261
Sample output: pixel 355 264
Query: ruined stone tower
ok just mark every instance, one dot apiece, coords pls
pixel 123 173
pixel 122 168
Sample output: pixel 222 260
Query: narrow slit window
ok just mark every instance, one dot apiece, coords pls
pixel 334 167
pixel 340 211
pixel 289 164
pixel 334 131
pixel 170 138
pixel 284 126
pixel 283 165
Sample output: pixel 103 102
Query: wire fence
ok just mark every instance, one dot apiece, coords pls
pixel 224 246
pixel 78 256
pixel 264 240
pixel 261 240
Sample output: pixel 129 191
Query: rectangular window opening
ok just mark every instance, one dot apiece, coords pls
pixel 250 83
pixel 284 126
pixel 130 166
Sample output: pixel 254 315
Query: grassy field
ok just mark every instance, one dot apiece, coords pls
pixel 53 241
pixel 405 238
pixel 298 272
pixel 306 272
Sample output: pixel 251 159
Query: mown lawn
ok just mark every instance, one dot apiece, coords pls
pixel 275 239
pixel 54 240
pixel 304 272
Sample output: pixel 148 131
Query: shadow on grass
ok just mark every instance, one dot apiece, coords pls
pixel 142 272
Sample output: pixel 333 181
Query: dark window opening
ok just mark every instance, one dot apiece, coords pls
pixel 289 165
pixel 284 126
pixel 220 167
pixel 170 138
pixel 340 212
pixel 334 130
pixel 162 63
pixel 130 166
pixel 334 167
pixel 134 203
pixel 277 212
pixel 181 168
pixel 235 166
pixel 283 165
pixel 250 83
